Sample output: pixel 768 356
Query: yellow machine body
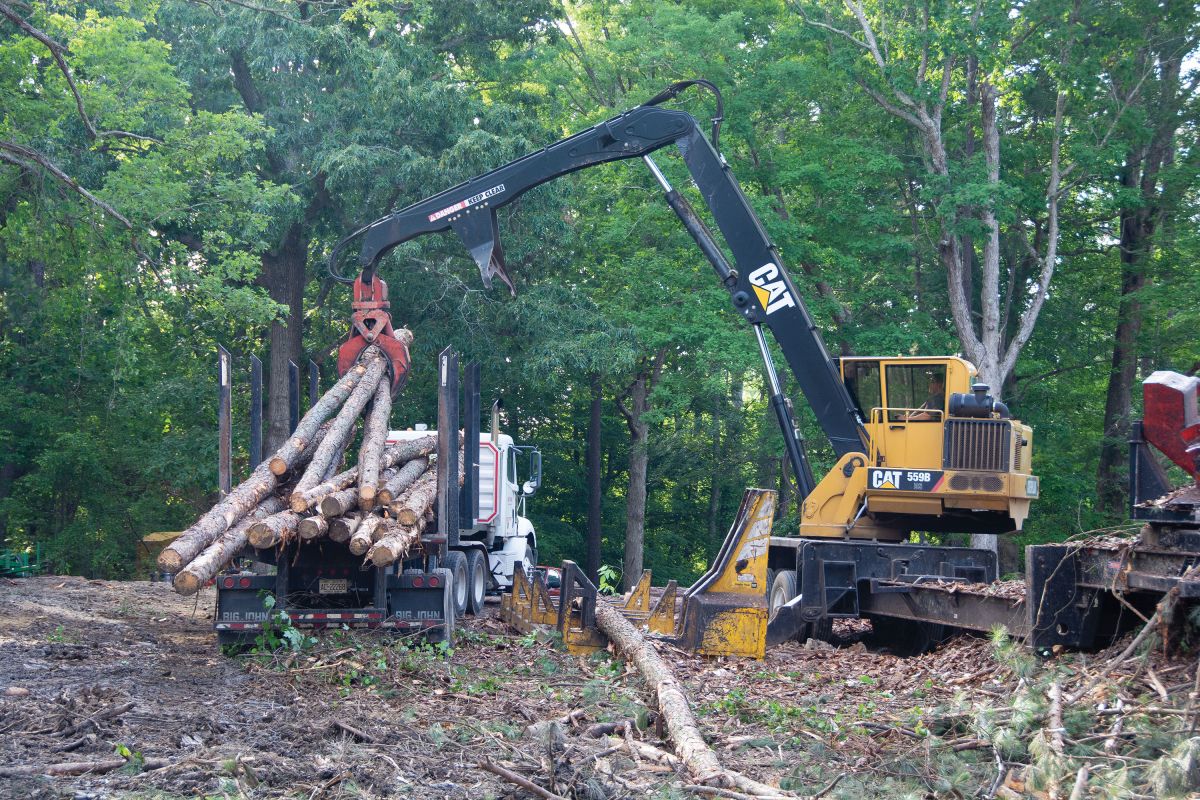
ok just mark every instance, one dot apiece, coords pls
pixel 923 470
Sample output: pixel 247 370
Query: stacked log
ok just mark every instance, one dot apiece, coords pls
pixel 378 508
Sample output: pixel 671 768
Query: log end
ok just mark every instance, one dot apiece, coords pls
pixel 278 466
pixel 186 583
pixel 169 560
pixel 298 504
pixel 366 495
pixel 380 556
pixel 261 536
pixel 359 546
pixel 384 498
pixel 406 516
pixel 330 507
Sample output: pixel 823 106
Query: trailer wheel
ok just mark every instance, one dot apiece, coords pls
pixel 456 564
pixel 476 581
pixel 783 590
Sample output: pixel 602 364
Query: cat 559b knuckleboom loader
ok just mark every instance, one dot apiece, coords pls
pixel 920 445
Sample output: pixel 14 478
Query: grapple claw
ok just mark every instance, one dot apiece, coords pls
pixel 371 324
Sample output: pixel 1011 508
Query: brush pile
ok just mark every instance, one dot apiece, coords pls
pixel 378 508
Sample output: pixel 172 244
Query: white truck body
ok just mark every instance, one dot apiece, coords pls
pixel 501 527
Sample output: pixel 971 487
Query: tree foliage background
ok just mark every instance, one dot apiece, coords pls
pixel 173 173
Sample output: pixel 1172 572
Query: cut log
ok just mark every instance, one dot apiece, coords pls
pixel 400 453
pixel 412 505
pixel 342 528
pixel 682 729
pixel 205 566
pixel 244 498
pixel 273 530
pixel 339 503
pixel 404 477
pixel 302 501
pixel 342 427
pixel 363 538
pixel 370 455
pixel 395 543
pixel 313 528
pixel 287 457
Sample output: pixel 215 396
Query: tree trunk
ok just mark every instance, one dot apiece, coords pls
pixel 404 477
pixel 673 704
pixel 635 504
pixel 313 528
pixel 276 529
pixel 370 456
pixel 401 453
pixel 286 457
pixel 716 471
pixel 338 503
pixel 205 566
pixel 342 528
pixel 284 276
pixel 594 486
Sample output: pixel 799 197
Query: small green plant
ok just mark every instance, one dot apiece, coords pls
pixel 610 578
pixel 278 632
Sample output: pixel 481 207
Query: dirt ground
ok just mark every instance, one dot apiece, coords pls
pixel 96 670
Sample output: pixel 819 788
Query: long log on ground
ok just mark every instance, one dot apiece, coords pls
pixel 682 729
pixel 286 457
pixel 82 767
pixel 244 498
pixel 313 528
pixel 274 530
pixel 370 455
pixel 411 506
pixel 404 477
pixel 342 426
pixel 342 528
pixel 363 538
pixel 395 543
pixel 205 566
pixel 399 453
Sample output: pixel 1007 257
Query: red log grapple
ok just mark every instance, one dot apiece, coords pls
pixel 1171 421
pixel 371 324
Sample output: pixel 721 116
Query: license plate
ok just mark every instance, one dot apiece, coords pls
pixel 327 586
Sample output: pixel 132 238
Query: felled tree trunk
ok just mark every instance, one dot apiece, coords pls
pixel 205 566
pixel 419 498
pixel 286 458
pixel 400 453
pixel 682 729
pixel 343 425
pixel 364 537
pixel 302 501
pixel 313 528
pixel 403 478
pixel 273 530
pixel 370 455
pixel 338 503
pixel 396 543
pixel 342 528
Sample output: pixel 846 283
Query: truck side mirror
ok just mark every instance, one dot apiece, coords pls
pixel 535 478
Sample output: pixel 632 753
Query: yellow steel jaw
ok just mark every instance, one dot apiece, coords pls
pixel 723 614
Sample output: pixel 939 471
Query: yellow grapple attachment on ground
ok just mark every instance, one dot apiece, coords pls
pixel 724 613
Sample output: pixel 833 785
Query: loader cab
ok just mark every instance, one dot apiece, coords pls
pixel 904 401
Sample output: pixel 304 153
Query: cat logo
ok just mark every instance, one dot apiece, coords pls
pixel 772 292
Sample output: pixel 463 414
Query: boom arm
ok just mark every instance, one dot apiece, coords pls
pixel 759 286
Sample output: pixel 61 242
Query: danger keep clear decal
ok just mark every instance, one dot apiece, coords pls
pixel 909 480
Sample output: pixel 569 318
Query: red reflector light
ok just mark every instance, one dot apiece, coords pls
pixel 227 583
pixel 419 581
pixel 244 583
pixel 434 582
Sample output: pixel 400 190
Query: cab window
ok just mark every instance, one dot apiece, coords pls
pixel 916 392
pixel 862 381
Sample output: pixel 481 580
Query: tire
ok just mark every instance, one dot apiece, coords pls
pixel 476 581
pixel 456 565
pixel 783 590
pixel 531 558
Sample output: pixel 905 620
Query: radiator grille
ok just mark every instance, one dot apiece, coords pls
pixel 978 444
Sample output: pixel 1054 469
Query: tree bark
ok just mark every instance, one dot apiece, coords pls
pixel 400 453
pixel 403 478
pixel 370 456
pixel 342 427
pixel 276 529
pixel 681 725
pixel 205 566
pixel 419 498
pixel 284 275
pixel 286 456
pixel 395 542
pixel 639 460
pixel 594 485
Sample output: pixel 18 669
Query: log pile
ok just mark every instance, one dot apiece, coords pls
pixel 377 508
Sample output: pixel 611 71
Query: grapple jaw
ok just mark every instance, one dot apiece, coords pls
pixel 1172 418
pixel 371 324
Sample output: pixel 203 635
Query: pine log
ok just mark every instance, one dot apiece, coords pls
pixel 399 453
pixel 411 506
pixel 313 527
pixel 682 728
pixel 342 428
pixel 287 457
pixel 275 529
pixel 205 566
pixel 403 478
pixel 370 455
pixel 363 538
pixel 303 501
pixel 342 528
pixel 395 543
pixel 338 503
pixel 244 498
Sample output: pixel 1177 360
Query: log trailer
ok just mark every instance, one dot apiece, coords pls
pixel 921 446
pixel 481 533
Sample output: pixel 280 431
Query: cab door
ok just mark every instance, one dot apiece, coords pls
pixel 914 394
